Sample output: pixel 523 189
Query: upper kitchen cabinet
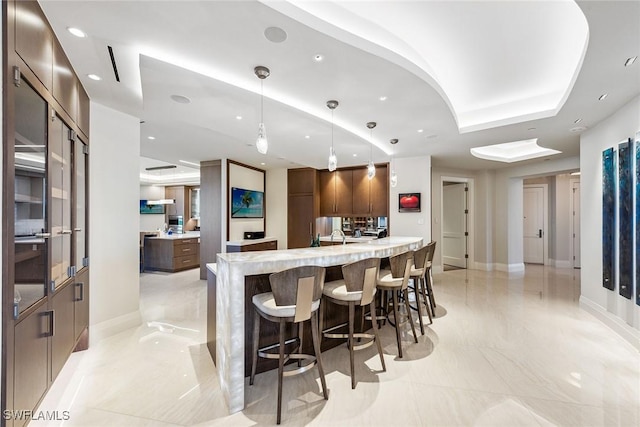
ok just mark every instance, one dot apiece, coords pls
pixel 65 88
pixel 34 40
pixel 336 192
pixel 83 110
pixel 371 197
pixel 302 206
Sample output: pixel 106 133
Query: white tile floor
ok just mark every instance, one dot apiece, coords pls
pixel 512 351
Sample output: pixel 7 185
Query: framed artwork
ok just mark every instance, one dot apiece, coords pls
pixel 247 203
pixel 409 202
pixel 608 218
pixel 625 222
pixel 637 216
pixel 146 208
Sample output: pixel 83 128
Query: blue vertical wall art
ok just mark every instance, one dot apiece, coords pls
pixel 625 222
pixel 637 217
pixel 608 219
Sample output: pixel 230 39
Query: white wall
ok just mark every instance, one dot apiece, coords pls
pixel 414 176
pixel 617 311
pixel 249 179
pixel 276 211
pixel 114 166
pixel 151 222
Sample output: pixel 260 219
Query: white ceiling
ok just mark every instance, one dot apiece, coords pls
pixel 465 73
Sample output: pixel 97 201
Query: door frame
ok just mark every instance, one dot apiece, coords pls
pixel 470 218
pixel 545 222
pixel 572 208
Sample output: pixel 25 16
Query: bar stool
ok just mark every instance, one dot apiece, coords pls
pixel 397 282
pixel 427 290
pixel 418 270
pixel 295 298
pixel 358 287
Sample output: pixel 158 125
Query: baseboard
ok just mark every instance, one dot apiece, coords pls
pixel 510 268
pixel 483 266
pixel 113 326
pixel 628 333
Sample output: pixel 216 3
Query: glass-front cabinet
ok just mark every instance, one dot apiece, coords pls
pixel 30 210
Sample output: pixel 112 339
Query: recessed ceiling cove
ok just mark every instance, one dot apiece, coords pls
pixel 494 63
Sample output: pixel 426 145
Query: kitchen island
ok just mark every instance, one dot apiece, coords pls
pixel 172 252
pixel 235 276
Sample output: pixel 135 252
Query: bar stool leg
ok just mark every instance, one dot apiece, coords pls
pixel 352 309
pixel 408 308
pixel 374 323
pixel 427 305
pixel 316 348
pixel 430 289
pixel 280 370
pixel 394 296
pixel 416 284
pixel 300 336
pixel 256 339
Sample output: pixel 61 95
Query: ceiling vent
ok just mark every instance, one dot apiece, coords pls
pixel 113 63
pixel 157 168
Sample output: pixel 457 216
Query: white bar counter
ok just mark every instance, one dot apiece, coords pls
pixel 231 269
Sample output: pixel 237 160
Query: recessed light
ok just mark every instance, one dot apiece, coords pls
pixel 262 163
pixel 355 155
pixel 318 57
pixel 238 117
pixel 577 120
pixel 307 137
pixel 181 99
pixel 630 61
pixel 151 137
pixel 275 34
pixel 94 77
pixel 602 97
pixel 77 32
pixel 420 130
pixel 383 98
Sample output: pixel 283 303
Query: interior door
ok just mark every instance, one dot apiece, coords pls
pixel 454 224
pixel 576 224
pixel 533 225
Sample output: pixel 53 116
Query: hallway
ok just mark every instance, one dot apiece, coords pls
pixel 503 351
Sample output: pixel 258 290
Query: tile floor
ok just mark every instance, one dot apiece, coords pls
pixel 510 351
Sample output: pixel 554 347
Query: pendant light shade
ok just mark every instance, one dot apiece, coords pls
pixel 262 144
pixel 333 159
pixel 371 168
pixel 393 179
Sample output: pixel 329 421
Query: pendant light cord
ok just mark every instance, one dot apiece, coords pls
pixel 261 101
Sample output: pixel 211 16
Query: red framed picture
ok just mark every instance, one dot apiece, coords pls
pixel 409 202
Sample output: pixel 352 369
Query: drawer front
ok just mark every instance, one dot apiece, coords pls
pixel 180 242
pixel 183 250
pixel 187 261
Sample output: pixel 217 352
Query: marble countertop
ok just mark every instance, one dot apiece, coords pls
pixel 250 242
pixel 348 239
pixel 176 236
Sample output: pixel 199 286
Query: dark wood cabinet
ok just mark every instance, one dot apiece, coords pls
pixel 34 40
pixel 336 192
pixel 63 339
pixel 171 255
pixel 81 307
pixel 65 89
pixel 302 206
pixel 371 197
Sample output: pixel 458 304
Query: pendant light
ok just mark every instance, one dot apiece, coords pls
pixel 261 143
pixel 371 168
pixel 333 159
pixel 394 177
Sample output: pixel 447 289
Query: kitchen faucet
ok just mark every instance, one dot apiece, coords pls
pixel 344 239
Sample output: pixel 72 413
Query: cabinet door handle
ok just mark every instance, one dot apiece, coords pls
pixel 77 230
pixel 81 286
pixel 186 249
pixel 52 324
pixel 65 232
pixel 43 235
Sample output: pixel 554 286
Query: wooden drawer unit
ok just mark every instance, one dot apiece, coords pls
pixel 271 245
pixel 171 254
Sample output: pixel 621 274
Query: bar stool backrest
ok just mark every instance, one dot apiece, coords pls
pixel 432 250
pixel 361 276
pixel 299 286
pixel 401 266
pixel 420 258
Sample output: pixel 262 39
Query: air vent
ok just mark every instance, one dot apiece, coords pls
pixel 113 63
pixel 157 168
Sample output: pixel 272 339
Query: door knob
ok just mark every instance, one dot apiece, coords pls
pixel 540 234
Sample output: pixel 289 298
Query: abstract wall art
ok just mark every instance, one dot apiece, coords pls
pixel 637 216
pixel 608 218
pixel 625 220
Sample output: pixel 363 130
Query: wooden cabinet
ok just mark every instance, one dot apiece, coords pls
pixel 302 206
pixel 271 245
pixel 63 339
pixel 371 197
pixel 65 89
pixel 171 255
pixel 34 40
pixel 336 192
